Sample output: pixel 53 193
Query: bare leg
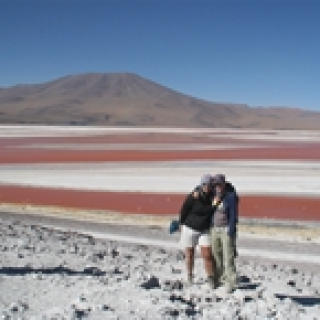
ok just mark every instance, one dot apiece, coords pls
pixel 208 260
pixel 190 261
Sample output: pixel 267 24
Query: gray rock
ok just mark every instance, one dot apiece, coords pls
pixel 5 316
pixel 151 283
pixel 105 307
pixel 18 306
pixel 291 283
pixel 81 310
pixel 170 311
pixel 14 307
pixel 169 285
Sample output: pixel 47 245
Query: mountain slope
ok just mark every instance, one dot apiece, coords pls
pixel 128 99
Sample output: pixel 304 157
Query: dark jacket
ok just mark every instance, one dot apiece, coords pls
pixel 196 213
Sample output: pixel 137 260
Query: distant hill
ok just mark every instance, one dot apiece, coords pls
pixel 126 99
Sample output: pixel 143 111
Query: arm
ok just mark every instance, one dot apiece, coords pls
pixel 233 214
pixel 185 209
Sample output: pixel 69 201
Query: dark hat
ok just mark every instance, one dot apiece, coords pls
pixel 219 179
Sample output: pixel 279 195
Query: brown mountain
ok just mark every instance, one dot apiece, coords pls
pixel 127 99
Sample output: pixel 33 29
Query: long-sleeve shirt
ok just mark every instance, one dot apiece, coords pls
pixel 226 213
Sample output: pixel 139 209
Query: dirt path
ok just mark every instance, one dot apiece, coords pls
pixel 287 249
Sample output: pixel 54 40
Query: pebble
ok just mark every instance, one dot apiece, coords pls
pixel 151 283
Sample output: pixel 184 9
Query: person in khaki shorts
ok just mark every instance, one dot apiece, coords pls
pixel 195 222
pixel 223 233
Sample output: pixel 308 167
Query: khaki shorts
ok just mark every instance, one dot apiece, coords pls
pixel 191 238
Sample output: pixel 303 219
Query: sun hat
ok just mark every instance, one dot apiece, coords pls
pixel 219 179
pixel 206 179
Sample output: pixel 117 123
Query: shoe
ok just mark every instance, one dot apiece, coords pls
pixel 211 282
pixel 214 283
pixel 190 279
pixel 229 289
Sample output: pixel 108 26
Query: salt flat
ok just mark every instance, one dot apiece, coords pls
pixel 10 131
pixel 135 146
pixel 100 164
pixel 250 177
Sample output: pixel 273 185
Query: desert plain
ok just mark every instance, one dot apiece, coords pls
pixel 85 214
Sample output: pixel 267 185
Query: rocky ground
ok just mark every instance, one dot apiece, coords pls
pixel 47 273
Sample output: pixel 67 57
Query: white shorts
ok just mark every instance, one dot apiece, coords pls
pixel 191 238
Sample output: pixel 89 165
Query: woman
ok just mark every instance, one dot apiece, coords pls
pixel 195 220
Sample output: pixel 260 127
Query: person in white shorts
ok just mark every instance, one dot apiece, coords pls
pixel 195 220
pixel 191 238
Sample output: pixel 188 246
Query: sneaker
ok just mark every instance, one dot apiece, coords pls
pixel 211 282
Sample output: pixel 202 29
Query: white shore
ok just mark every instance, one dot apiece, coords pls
pixel 47 273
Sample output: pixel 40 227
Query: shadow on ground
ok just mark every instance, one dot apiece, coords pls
pixel 303 300
pixel 21 271
pixel 245 283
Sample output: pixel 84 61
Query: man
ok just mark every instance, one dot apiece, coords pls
pixel 195 220
pixel 223 233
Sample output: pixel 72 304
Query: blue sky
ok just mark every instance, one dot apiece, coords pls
pixel 257 52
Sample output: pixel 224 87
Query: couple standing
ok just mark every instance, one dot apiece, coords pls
pixel 208 218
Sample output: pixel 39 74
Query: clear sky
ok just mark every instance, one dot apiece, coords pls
pixel 257 52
